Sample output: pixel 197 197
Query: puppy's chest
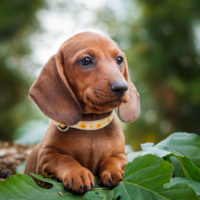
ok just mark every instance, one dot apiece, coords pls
pixel 91 148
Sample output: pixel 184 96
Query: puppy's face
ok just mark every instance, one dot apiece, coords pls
pixel 89 74
pixel 95 70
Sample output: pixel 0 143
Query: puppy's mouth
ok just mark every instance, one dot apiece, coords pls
pixel 101 101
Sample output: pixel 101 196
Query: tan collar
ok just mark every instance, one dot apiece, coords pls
pixel 87 125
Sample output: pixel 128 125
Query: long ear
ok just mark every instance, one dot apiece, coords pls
pixel 130 111
pixel 53 95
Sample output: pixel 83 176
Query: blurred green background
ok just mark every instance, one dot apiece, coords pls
pixel 161 40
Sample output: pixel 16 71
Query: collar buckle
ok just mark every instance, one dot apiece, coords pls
pixel 61 127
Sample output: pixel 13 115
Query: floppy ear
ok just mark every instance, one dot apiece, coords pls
pixel 130 111
pixel 51 92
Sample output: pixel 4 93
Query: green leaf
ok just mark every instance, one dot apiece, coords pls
pixel 144 179
pixel 192 184
pixel 131 191
pixel 19 187
pixel 149 171
pixel 180 191
pixel 178 171
pixel 184 167
pixel 175 148
pixel 99 194
pixel 190 170
pixel 182 144
pixel 148 147
pixel 22 187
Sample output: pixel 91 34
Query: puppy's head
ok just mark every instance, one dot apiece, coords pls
pixel 89 74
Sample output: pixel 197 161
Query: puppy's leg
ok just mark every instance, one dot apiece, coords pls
pixel 31 162
pixel 112 170
pixel 68 170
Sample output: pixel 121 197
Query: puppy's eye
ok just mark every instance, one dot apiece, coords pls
pixel 86 61
pixel 119 60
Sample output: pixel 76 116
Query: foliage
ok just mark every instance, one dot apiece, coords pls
pixel 160 40
pixel 151 176
pixel 17 21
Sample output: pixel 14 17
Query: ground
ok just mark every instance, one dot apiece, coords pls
pixel 11 156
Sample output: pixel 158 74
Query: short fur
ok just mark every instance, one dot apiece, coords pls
pixel 67 92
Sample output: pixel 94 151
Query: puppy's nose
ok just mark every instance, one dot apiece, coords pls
pixel 119 87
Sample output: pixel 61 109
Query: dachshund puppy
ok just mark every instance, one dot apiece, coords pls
pixel 78 89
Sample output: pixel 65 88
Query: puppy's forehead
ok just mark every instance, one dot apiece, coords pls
pixel 87 40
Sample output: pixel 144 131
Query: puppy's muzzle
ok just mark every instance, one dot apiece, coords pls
pixel 119 87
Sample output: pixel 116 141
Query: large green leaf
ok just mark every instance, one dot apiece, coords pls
pixel 184 167
pixel 179 192
pixel 175 148
pixel 192 184
pixel 149 171
pixel 22 187
pixel 144 179
pixel 191 171
pixel 182 144
pixel 178 171
pixel 131 191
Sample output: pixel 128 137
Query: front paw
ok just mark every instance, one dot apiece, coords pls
pixel 79 180
pixel 111 177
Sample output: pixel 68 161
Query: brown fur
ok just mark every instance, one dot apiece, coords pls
pixel 67 92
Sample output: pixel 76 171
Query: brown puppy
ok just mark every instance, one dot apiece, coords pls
pixel 85 80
